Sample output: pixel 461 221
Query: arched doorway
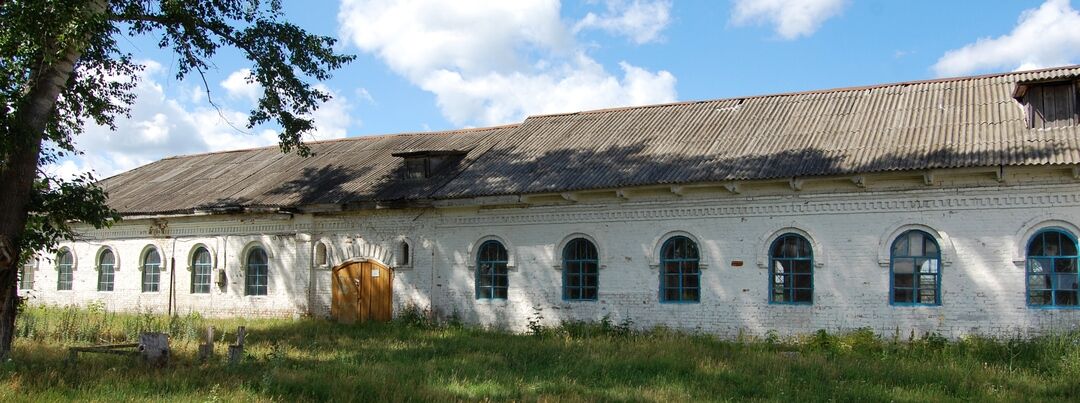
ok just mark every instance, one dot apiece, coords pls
pixel 362 292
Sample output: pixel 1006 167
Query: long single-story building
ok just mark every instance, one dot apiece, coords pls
pixel 948 206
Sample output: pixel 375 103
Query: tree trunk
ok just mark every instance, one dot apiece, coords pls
pixel 19 168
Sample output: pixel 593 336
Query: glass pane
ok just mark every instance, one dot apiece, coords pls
pixel 590 280
pixel 903 265
pixel 1052 244
pixel 573 293
pixel 502 280
pixel 778 296
pixel 903 280
pixel 589 293
pixel 1038 282
pixel 1068 247
pixel 152 257
pixel 801 266
pixel 690 281
pixel 1035 248
pixel 791 246
pixel 927 281
pixel 901 295
pixel 1039 297
pixel 671 294
pixel 1065 298
pixel 777 248
pixel 927 296
pixel 689 294
pixel 589 268
pixel 107 258
pixel 573 280
pixel 1041 265
pixel 671 267
pixel 671 280
pixel 778 266
pixel 65 258
pixel 803 281
pixel 928 266
pixel 931 247
pixel 1065 265
pixel 804 248
pixel 1066 282
pixel 915 243
pixel 484 280
pixel 778 280
pixel 691 249
pixel 900 246
pixel 803 296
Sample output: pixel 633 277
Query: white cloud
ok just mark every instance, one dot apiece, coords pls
pixel 791 18
pixel 161 126
pixel 333 118
pixel 240 84
pixel 1043 37
pixel 494 62
pixel 640 20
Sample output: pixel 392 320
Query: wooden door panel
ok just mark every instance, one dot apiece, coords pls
pixel 345 295
pixel 361 292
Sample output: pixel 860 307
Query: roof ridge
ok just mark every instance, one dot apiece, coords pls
pixel 355 138
pixel 807 92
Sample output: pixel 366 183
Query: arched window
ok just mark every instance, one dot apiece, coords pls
pixel 320 254
pixel 680 276
pixel 65 263
pixel 257 275
pixel 151 271
pixel 26 274
pixel 106 270
pixel 914 265
pixel 404 261
pixel 492 277
pixel 1052 269
pixel 581 273
pixel 200 271
pixel 791 265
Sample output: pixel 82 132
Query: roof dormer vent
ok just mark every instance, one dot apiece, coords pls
pixel 423 164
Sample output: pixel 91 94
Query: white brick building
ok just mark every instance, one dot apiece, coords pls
pixel 981 166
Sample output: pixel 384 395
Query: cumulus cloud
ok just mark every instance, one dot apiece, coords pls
pixel 495 62
pixel 640 21
pixel 1043 37
pixel 240 84
pixel 161 126
pixel 791 18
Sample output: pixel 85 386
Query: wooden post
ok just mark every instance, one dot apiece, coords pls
pixel 154 348
pixel 206 350
pixel 236 351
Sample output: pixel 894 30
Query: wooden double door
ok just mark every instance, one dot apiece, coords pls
pixel 362 292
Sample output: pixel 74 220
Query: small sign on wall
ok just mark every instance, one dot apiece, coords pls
pixel 374 273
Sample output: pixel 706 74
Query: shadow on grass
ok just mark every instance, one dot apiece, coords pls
pixel 317 360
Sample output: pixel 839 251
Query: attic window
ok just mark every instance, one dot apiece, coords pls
pixel 1050 104
pixel 428 163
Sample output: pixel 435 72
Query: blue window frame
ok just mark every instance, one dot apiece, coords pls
pixel 1052 280
pixel 257 275
pixel 492 277
pixel 200 272
pixel 915 270
pixel 581 274
pixel 106 271
pixel 64 271
pixel 151 271
pixel 680 274
pixel 791 269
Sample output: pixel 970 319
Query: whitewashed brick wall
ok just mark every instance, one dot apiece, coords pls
pixel 982 232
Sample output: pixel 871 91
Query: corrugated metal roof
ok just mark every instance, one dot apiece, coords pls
pixel 946 123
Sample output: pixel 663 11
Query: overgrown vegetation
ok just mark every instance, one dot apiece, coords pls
pixel 418 358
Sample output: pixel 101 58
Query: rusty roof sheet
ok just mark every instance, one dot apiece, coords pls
pixel 945 123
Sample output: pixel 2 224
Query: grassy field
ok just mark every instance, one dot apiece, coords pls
pixel 413 359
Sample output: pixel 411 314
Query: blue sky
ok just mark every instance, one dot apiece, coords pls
pixel 432 65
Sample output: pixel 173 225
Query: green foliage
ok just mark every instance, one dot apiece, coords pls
pixel 414 358
pixel 73 46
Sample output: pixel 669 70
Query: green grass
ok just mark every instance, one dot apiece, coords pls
pixel 413 359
